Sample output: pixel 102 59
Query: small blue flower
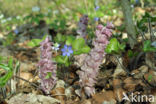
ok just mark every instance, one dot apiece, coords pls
pixel 56 47
pixel 16 31
pixel 67 50
pixel 35 9
pixel 96 19
pixel 154 44
pixel 96 8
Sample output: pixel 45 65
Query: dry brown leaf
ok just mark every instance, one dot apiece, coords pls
pixel 107 96
pixel 27 76
pixel 59 93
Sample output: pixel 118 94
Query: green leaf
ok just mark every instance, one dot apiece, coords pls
pixel 44 37
pixel 48 75
pixel 78 44
pixel 85 49
pixel 17 66
pixel 61 59
pixel 150 78
pixel 34 42
pixel 59 38
pixel 70 39
pixel 147 47
pixel 5 67
pixel 77 52
pixel 4 79
pixel 130 53
pixel 114 47
pixel 10 63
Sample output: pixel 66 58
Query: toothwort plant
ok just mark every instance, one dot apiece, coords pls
pixel 82 26
pixel 47 68
pixel 91 63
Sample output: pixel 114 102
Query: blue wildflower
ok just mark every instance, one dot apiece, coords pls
pixel 56 46
pixel 67 50
pixel 16 31
pixel 154 44
pixel 96 19
pixel 96 8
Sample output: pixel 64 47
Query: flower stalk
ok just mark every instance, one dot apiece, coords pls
pixel 47 68
pixel 91 63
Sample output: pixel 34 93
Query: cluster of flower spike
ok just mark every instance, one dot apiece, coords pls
pixel 82 26
pixel 90 67
pixel 47 68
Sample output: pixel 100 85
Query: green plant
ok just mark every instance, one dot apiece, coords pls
pixel 114 47
pixel 147 47
pixel 78 46
pixel 36 42
pixel 9 70
pixel 9 39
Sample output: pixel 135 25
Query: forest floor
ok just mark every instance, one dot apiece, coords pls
pixel 113 83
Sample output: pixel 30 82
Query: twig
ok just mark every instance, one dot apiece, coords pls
pixel 137 59
pixel 58 95
pixel 150 29
pixel 152 86
pixel 33 84
pixel 122 65
pixel 143 36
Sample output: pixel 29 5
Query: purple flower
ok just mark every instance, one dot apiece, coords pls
pixel 96 19
pixel 96 8
pixel 16 31
pixel 91 62
pixel 47 68
pixel 82 26
pixel 67 50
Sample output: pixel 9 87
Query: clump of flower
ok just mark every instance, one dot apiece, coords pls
pixel 67 50
pixel 82 26
pixel 90 67
pixel 47 68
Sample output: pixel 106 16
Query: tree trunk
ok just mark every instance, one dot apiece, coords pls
pixel 130 27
